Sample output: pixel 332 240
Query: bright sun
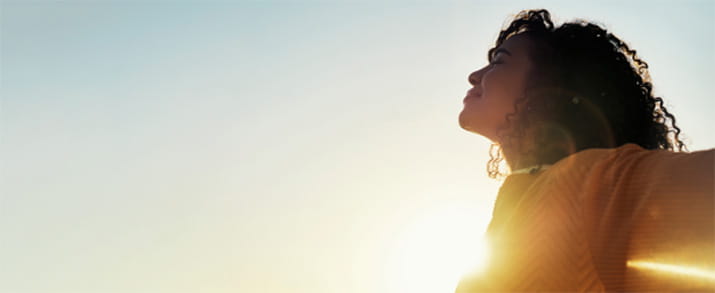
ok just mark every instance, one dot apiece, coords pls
pixel 436 250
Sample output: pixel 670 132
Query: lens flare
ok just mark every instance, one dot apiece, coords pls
pixel 674 269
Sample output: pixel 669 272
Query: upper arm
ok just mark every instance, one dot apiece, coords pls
pixel 671 240
pixel 650 216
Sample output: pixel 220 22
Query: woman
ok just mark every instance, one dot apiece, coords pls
pixel 602 196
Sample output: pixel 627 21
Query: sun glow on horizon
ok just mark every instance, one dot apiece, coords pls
pixel 437 249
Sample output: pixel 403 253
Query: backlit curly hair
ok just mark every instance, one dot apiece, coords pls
pixel 587 89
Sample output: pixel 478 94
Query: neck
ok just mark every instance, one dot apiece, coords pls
pixel 538 146
pixel 520 160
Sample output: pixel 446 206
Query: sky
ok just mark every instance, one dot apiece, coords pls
pixel 272 146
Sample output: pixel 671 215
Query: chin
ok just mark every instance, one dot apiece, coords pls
pixel 469 124
pixel 464 122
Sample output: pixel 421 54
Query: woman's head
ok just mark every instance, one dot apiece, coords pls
pixel 551 91
pixel 497 87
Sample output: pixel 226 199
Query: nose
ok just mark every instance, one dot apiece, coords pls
pixel 475 78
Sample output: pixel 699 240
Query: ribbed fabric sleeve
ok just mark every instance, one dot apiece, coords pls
pixel 605 220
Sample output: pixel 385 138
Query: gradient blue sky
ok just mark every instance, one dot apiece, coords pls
pixel 271 146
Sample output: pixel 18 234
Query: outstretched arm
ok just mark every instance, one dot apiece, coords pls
pixel 659 218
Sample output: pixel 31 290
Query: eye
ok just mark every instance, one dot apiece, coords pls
pixel 496 61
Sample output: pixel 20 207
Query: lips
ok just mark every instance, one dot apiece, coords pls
pixel 472 93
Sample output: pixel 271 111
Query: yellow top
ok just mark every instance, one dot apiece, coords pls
pixel 621 219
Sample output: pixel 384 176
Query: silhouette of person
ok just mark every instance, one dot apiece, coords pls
pixel 603 195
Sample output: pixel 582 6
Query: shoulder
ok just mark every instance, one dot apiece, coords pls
pixel 599 155
pixel 632 157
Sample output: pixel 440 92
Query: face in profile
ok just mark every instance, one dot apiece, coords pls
pixel 496 87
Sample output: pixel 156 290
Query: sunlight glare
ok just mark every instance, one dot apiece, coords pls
pixel 437 249
pixel 675 269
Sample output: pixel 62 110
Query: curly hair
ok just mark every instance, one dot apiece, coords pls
pixel 588 89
